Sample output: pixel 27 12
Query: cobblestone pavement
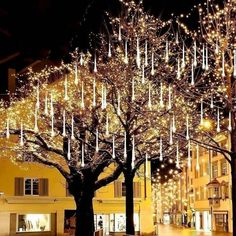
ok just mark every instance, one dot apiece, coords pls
pixel 169 230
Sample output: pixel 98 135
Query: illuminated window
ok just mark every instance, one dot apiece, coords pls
pixel 215 169
pixel 31 186
pixel 33 223
pixel 223 166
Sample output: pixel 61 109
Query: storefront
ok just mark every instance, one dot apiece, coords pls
pixel 221 221
pixel 110 223
pixel 203 220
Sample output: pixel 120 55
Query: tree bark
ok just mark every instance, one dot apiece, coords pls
pixel 84 214
pixel 233 174
pixel 129 204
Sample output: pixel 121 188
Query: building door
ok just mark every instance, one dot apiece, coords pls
pixel 221 222
pixel 201 221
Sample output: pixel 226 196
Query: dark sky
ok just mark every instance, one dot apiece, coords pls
pixel 42 28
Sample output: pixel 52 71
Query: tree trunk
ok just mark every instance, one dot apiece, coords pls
pixel 233 174
pixel 84 215
pixel 129 204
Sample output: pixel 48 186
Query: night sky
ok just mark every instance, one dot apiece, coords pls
pixel 49 28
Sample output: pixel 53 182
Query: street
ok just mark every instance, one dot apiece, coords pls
pixel 169 230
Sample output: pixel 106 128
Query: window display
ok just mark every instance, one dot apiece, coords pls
pixel 33 222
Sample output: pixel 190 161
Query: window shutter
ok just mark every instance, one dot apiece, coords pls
pixel 117 189
pixel 19 186
pixel 43 187
pixel 137 189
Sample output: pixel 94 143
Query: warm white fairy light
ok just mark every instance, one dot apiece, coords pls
pixel 95 64
pixel 218 120
pixel 76 73
pixel 68 151
pixel 125 149
pixel 138 60
pixel 109 49
pixel 72 127
pixel 107 125
pixel 187 128
pixel 82 155
pixel 146 53
pixel 169 97
pixel 230 121
pixel 126 60
pixel 97 145
pixel 197 157
pixel 64 124
pixel 152 70
pixel 46 104
pixel 8 129
pixel 177 156
pixel 192 75
pixel 94 92
pixel 161 154
pixel 113 147
pixel 118 103
pixel 21 134
pixel 149 96
pixel 195 54
pixel 189 154
pixel 201 115
pixel 82 95
pixel 167 51
pixel 223 64
pixel 66 89
pixel 133 153
pixel 36 129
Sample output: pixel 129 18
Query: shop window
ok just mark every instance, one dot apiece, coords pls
pixel 215 169
pixel 33 222
pixel 223 167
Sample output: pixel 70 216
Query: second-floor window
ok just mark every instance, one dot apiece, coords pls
pixel 123 190
pixel 223 165
pixel 215 169
pixel 31 186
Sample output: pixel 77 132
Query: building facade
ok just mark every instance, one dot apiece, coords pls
pixel 34 200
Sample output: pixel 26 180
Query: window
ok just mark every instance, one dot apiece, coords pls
pixel 202 193
pixel 33 222
pixel 216 192
pixel 196 194
pixel 214 153
pixel 215 169
pixel 123 190
pixel 201 170
pixel 31 186
pixel 223 167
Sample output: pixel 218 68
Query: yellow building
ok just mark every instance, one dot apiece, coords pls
pixel 34 198
pixel 208 190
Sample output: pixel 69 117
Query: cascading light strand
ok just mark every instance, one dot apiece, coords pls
pixel 189 154
pixel 207 64
pixel 146 165
pixel 218 120
pixel 152 70
pixel 146 53
pixel 133 90
pixel 97 144
pixel 95 64
pixel 52 117
pixel 169 97
pixel 126 59
pixel 109 49
pixel 113 147
pixel 161 153
pixel 82 94
pixel 195 54
pixel 177 156
pixel 171 134
pixel 167 52
pixel 82 155
pixel 183 57
pixel 37 96
pixel 107 125
pixel 68 150
pixel 118 103
pixel 46 104
pixel 72 127
pixel 187 128
pixel 192 75
pixel 36 129
pixel 76 73
pixel 201 115
pixel 64 123
pixel 138 60
pixel 203 57
pixel 230 121
pixel 173 124
pixel 223 64
pixel 143 74
pixel 66 88
pixel 234 73
pixel 94 92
